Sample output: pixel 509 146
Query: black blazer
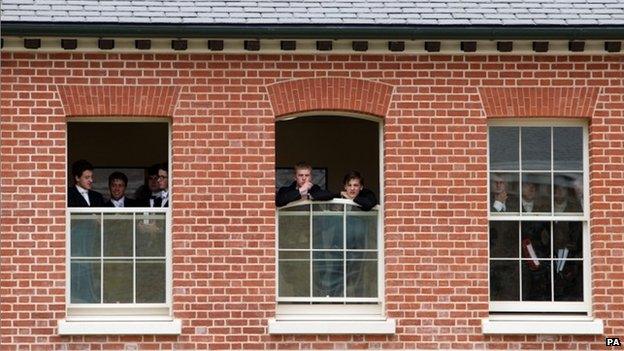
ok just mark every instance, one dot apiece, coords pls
pixel 288 194
pixel 127 203
pixel 157 202
pixel 74 199
pixel 511 205
pixel 366 199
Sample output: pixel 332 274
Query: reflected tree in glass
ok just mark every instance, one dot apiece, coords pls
pixel 118 282
pixel 150 280
pixel 85 281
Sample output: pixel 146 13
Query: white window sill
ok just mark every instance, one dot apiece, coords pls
pixel 387 326
pixel 561 325
pixel 120 327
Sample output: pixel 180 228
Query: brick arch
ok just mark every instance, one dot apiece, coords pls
pixel 539 101
pixel 330 94
pixel 113 100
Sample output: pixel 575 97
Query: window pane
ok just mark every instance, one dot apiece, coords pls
pixel 568 239
pixel 535 241
pixel 504 193
pixel 294 278
pixel 361 232
pixel 504 239
pixel 361 255
pixel 535 192
pixel 504 281
pixel 568 193
pixel 361 278
pixel 294 255
pixel 503 143
pixel 328 255
pixel 118 281
pixel 568 148
pixel 150 235
pixel 151 281
pixel 85 235
pixel 85 281
pixel 328 278
pixel 568 280
pixel 536 148
pixel 327 231
pixel 294 232
pixel 536 281
pixel 117 235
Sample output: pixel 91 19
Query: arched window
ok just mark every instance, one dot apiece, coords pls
pixel 329 252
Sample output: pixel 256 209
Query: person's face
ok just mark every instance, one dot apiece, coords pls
pixel 529 191
pixel 85 180
pixel 152 183
pixel 117 189
pixel 499 185
pixel 353 187
pixel 303 175
pixel 162 179
pixel 560 194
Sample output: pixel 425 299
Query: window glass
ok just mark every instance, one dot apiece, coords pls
pixel 568 193
pixel 504 280
pixel 150 281
pixel 568 148
pixel 118 282
pixel 133 254
pixel 341 261
pixel 537 218
pixel 118 234
pixel 85 235
pixel 85 281
pixel 504 192
pixel 535 192
pixel 504 151
pixel 535 148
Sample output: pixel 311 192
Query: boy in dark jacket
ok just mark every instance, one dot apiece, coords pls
pixel 301 188
pixel 354 190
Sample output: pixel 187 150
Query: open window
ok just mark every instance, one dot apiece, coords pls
pixel 329 253
pixel 119 258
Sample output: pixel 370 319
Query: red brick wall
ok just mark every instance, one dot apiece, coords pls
pixel 223 108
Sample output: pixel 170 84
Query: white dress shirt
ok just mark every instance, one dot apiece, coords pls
pixel 85 193
pixel 164 195
pixel 527 206
pixel 499 206
pixel 119 203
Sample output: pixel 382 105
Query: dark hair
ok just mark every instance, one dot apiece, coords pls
pixel 352 175
pixel 117 175
pixel 302 165
pixel 153 169
pixel 79 167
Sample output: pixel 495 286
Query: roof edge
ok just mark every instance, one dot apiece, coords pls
pixel 294 31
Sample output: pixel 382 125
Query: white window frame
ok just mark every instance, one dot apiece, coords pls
pixel 346 318
pixel 343 214
pixel 124 318
pixel 583 307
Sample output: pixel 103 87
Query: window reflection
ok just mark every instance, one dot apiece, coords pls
pixel 535 192
pixel 504 194
pixel 340 258
pixel 568 193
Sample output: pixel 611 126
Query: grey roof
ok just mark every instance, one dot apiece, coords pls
pixel 327 12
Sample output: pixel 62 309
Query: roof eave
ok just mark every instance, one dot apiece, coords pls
pixel 318 31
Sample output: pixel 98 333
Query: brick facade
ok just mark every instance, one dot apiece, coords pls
pixel 222 110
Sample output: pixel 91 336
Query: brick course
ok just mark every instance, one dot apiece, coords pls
pixel 223 109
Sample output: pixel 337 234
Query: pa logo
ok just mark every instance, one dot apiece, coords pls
pixel 613 342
